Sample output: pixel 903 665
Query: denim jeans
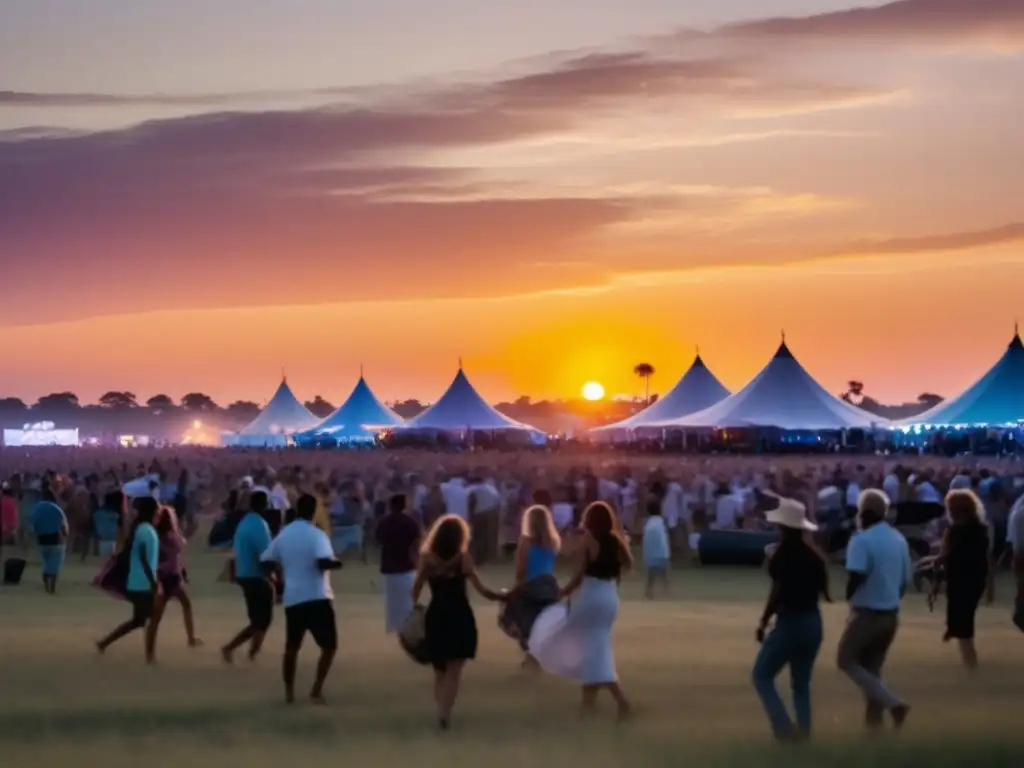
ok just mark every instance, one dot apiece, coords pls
pixel 794 640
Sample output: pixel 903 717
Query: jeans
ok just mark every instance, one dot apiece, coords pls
pixel 794 640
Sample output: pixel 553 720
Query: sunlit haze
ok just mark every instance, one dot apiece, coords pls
pixel 196 195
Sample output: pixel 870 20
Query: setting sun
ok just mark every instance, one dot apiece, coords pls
pixel 593 391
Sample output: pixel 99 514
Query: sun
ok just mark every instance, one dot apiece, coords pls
pixel 593 391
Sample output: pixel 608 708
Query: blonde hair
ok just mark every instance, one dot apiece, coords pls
pixel 539 527
pixel 963 505
pixel 874 502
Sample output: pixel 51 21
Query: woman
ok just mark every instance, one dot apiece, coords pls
pixel 575 641
pixel 8 515
pixel 108 522
pixel 170 572
pixel 536 587
pixel 965 555
pixel 799 577
pixel 51 529
pixel 451 636
pixel 398 535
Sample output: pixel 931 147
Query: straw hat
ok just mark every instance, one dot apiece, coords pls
pixel 790 514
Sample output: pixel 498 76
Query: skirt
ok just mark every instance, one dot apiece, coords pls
pixel 52 556
pixel 575 640
pixel 397 600
pixel 346 537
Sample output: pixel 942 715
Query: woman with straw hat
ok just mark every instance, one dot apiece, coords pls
pixel 799 577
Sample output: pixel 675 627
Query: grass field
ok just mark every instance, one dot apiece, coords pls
pixel 684 660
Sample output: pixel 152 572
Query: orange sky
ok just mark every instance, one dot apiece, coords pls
pixel 851 177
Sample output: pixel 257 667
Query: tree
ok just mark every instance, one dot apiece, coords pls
pixel 119 400
pixel 319 407
pixel 197 401
pixel 160 403
pixel 12 406
pixel 854 392
pixel 929 399
pixel 645 371
pixel 407 409
pixel 244 410
pixel 57 401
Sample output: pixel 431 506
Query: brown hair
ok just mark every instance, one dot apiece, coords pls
pixel 963 507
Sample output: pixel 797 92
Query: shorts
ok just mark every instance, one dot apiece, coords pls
pixel 259 602
pixel 315 617
pixel 170 583
pixel 142 606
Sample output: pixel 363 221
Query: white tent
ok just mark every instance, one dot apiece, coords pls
pixel 996 399
pixel 361 409
pixel 462 409
pixel 283 415
pixel 696 390
pixel 784 396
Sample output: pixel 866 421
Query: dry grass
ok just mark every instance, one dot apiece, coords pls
pixel 684 660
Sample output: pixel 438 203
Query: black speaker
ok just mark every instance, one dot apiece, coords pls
pixel 14 567
pixel 734 547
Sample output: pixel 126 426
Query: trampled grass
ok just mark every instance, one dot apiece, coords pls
pixel 685 661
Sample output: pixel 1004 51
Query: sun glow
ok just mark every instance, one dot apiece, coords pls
pixel 593 391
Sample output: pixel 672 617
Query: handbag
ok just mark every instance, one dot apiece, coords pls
pixel 113 576
pixel 412 636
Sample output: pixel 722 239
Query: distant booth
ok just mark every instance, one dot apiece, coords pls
pixel 461 418
pixel 43 433
pixel 987 418
pixel 282 417
pixel 360 422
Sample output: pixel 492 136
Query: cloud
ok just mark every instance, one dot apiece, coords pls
pixel 983 23
pixel 956 241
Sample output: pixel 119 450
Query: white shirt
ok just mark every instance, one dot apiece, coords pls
pixel 456 498
pixel 279 498
pixel 891 486
pixel 655 544
pixel 139 487
pixel 852 495
pixel 487 497
pixel 419 495
pixel 561 515
pixel 927 494
pixel 672 504
pixel 296 549
pixel 727 510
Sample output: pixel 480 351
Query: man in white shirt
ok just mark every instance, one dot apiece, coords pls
pixel 880 570
pixel 456 497
pixel 483 508
pixel 304 554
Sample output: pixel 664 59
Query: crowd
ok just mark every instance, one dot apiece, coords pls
pixel 436 517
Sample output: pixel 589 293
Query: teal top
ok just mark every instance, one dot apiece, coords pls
pixel 540 561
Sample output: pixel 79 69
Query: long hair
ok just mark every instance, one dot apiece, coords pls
pixel 963 507
pixel 539 528
pixel 600 520
pixel 167 522
pixel 448 537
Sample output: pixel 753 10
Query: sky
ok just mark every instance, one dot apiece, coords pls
pixel 197 196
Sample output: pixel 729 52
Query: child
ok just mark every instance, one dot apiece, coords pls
pixel 656 548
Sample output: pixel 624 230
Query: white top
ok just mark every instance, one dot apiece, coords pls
pixel 487 497
pixel 672 504
pixel 852 494
pixel 927 494
pixel 561 515
pixel 296 549
pixel 891 486
pixel 279 498
pixel 456 498
pixel 655 542
pixel 727 511
pixel 139 487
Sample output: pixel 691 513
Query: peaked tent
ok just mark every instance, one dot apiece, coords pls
pixel 784 396
pixel 696 390
pixel 361 409
pixel 462 408
pixel 283 415
pixel 996 399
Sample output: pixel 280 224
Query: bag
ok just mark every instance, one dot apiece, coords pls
pixel 413 635
pixel 14 567
pixel 113 576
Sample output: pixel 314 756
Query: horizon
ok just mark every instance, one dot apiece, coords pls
pixel 550 194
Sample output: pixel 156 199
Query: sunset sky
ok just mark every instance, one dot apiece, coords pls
pixel 195 195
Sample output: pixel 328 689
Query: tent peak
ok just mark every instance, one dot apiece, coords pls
pixel 783 351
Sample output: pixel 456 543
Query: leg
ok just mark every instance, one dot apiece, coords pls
pixel 588 702
pixel 439 682
pixel 801 668
pixel 649 588
pixel 622 704
pixel 969 654
pixel 323 627
pixel 862 651
pixel 140 614
pixel 773 655
pixel 295 632
pixel 153 626
pixel 452 679
pixel 227 652
pixel 186 613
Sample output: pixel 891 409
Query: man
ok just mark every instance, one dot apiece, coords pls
pixel 878 562
pixel 1015 541
pixel 483 510
pixel 456 497
pixel 398 536
pixel 303 553
pixel 252 539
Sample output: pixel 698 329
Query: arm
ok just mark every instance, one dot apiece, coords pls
pixel 325 559
pixel 469 568
pixel 146 569
pixel 579 568
pixel 625 557
pixel 856 566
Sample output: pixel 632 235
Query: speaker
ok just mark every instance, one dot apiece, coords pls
pixel 734 547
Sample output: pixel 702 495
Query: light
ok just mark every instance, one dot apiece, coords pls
pixel 197 424
pixel 593 391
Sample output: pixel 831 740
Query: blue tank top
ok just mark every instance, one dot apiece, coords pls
pixel 540 561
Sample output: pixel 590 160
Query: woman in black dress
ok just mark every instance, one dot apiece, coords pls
pixel 451 636
pixel 965 555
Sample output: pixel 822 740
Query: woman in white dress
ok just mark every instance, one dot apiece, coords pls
pixel 574 640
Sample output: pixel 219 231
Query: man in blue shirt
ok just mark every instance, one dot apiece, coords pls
pixel 252 539
pixel 141 586
pixel 879 567
pixel 51 529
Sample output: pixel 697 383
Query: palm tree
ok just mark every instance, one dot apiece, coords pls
pixel 645 371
